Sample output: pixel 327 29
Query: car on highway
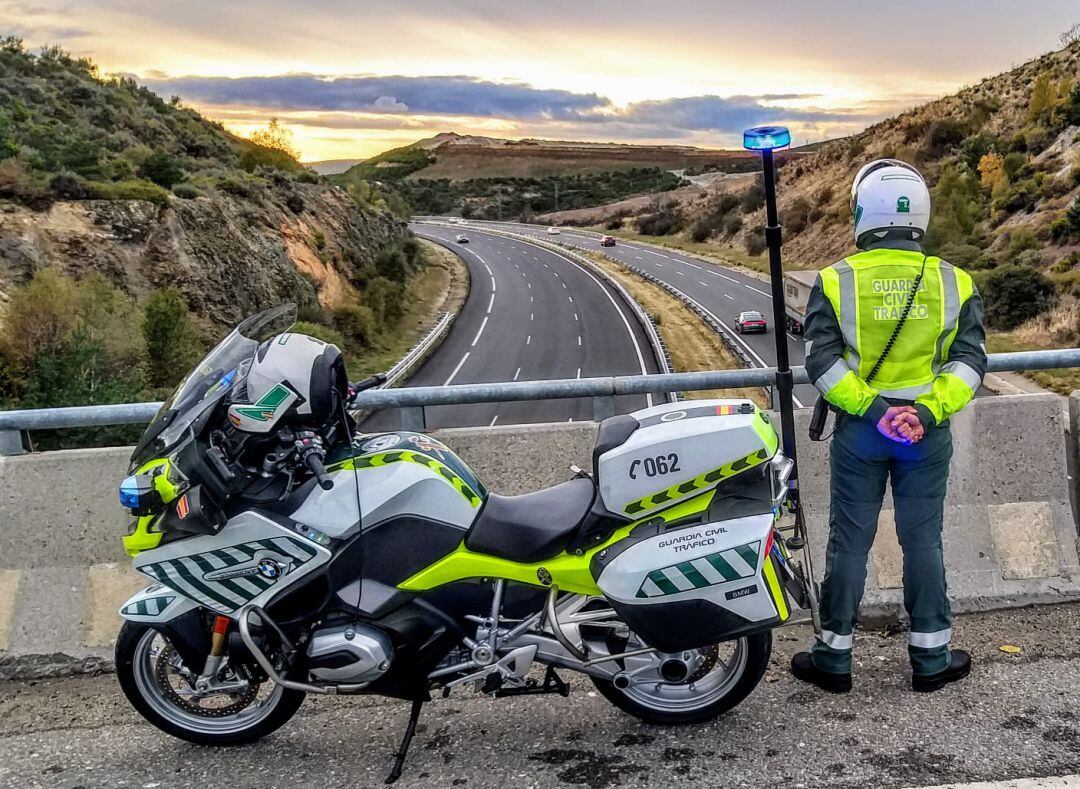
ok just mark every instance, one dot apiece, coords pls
pixel 553 231
pixel 750 321
pixel 462 238
pixel 607 241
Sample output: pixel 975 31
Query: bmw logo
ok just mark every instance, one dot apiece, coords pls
pixel 268 568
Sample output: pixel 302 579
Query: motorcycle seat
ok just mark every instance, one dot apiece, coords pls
pixel 532 527
pixel 613 432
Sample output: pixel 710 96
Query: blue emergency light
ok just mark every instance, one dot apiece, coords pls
pixel 766 138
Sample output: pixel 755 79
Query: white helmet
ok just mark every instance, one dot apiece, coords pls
pixel 889 194
pixel 293 378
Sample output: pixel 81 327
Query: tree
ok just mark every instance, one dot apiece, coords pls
pixel 172 344
pixel 273 147
pixel 1043 98
pixel 1070 36
pixel 992 175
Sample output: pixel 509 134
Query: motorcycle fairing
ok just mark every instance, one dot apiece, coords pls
pixel 156 604
pixel 249 561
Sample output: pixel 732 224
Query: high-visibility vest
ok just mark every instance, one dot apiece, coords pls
pixel 868 292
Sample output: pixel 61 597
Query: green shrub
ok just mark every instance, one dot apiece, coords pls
pixel 755 243
pixel 129 190
pixel 162 169
pixel 1060 230
pixel 356 322
pixel 1014 294
pixel 186 191
pixel 172 344
pixel 68 186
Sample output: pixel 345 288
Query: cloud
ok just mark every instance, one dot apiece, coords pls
pixel 725 114
pixel 436 95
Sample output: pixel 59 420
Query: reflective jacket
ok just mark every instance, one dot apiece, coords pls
pixel 939 358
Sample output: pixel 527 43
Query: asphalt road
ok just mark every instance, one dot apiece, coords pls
pixel 721 290
pixel 531 314
pixel 1016 716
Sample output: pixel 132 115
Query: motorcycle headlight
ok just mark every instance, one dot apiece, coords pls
pixel 781 473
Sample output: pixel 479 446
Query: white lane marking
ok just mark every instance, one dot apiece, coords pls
pixel 729 297
pixel 492 301
pixel 793 338
pixel 517 266
pixel 493 284
pixel 528 339
pixel 529 284
pixel 530 299
pixel 724 276
pixel 681 273
pixel 489 271
pixel 763 293
pixel 532 316
pixel 494 419
pixel 654 253
pixel 476 339
pixel 556 273
pixel 638 257
pixel 456 369
pixel 547 266
pixel 692 265
pixel 579 340
pixel 579 372
pixel 571 299
pixel 576 317
pixel 571 419
pixel 517 373
pixel 661 265
pixel 703 284
pixel 564 284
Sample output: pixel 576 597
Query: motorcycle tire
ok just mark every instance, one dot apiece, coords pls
pixel 758 649
pixel 130 647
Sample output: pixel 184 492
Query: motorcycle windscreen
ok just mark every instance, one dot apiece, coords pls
pixel 697 585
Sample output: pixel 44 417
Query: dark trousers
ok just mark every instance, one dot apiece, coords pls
pixel 861 461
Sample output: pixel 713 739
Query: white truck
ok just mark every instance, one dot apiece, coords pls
pixel 797 285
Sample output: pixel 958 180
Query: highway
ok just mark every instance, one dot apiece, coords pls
pixel 721 290
pixel 531 314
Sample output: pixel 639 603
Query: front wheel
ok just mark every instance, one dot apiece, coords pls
pixel 162 689
pixel 691 686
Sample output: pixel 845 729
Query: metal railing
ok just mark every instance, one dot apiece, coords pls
pixel 413 400
pixel 419 351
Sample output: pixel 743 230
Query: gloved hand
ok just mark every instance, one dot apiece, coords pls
pixel 895 418
pixel 910 427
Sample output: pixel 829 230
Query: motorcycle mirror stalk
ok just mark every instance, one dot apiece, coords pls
pixel 767 139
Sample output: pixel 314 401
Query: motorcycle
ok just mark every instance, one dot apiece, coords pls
pixel 316 559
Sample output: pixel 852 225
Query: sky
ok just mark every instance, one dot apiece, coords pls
pixel 351 79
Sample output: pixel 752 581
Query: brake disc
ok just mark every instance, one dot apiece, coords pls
pixel 240 700
pixel 709 657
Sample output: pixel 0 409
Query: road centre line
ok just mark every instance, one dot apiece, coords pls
pixel 457 369
pixel 756 290
pixel 476 339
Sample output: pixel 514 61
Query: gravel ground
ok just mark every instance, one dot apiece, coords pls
pixel 1016 716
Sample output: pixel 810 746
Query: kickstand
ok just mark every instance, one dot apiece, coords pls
pixel 403 750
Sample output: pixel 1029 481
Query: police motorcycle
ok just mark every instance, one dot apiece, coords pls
pixel 289 554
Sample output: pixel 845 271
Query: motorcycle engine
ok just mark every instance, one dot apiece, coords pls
pixel 351 654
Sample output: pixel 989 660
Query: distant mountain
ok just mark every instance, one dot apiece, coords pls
pixel 458 157
pixel 332 166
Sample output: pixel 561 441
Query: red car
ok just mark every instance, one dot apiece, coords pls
pixel 750 321
pixel 607 241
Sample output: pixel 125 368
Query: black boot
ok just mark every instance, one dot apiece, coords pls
pixel 802 666
pixel 958 668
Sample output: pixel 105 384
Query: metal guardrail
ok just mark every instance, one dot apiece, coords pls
pixel 412 400
pixel 419 351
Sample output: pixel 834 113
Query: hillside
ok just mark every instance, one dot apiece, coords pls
pixel 133 231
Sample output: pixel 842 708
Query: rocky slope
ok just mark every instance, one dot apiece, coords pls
pixel 229 255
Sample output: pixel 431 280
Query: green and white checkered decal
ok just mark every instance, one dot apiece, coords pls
pixel 731 564
pixel 148 606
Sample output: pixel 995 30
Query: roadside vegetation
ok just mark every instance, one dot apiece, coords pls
pixel 692 345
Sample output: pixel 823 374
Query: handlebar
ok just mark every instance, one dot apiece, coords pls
pixel 314 462
pixel 378 379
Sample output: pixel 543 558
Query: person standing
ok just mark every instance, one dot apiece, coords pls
pixel 894 391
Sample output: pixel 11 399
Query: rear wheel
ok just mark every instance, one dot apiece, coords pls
pixel 162 689
pixel 691 686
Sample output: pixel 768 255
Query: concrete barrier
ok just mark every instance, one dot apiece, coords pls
pixel 1010 535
